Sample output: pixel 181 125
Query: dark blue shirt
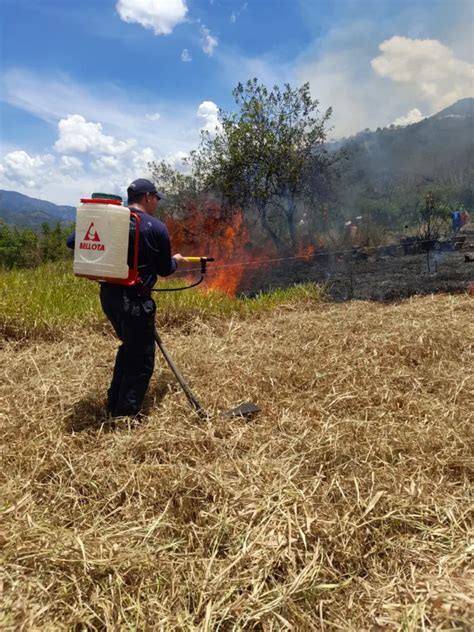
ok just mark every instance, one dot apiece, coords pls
pixel 154 251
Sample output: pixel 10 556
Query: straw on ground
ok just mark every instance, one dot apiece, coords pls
pixel 345 505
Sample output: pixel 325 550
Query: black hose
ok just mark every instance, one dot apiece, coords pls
pixel 178 289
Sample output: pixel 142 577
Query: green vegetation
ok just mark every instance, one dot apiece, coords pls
pixel 26 248
pixel 45 300
pixel 49 300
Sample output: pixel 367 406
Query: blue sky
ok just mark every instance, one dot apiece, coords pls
pixel 90 92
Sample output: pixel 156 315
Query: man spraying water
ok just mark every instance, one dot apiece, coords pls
pixel 126 300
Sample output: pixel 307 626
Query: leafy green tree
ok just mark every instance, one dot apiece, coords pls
pixel 52 242
pixel 26 248
pixel 433 217
pixel 261 156
pixel 18 247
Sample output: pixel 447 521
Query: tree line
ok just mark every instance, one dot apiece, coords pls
pixel 25 248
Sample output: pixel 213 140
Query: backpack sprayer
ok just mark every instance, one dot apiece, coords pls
pixel 101 253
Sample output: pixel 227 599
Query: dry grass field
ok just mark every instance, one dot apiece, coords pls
pixel 345 504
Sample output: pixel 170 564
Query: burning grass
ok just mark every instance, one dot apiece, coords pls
pixel 345 505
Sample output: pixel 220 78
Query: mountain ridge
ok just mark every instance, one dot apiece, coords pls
pixel 23 211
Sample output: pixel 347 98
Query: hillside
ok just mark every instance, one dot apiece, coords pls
pixel 396 165
pixel 26 212
pixel 344 505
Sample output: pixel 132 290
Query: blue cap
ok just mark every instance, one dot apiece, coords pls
pixel 142 186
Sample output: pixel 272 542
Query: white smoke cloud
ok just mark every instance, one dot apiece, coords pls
pixel 208 41
pixel 155 116
pixel 413 116
pixel 207 113
pixel 160 16
pixel 78 135
pixel 428 67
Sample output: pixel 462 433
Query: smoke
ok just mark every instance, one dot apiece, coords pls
pixel 377 65
pixel 413 116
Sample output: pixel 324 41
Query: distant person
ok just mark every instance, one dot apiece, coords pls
pixel 456 221
pixel 464 218
pixel 131 310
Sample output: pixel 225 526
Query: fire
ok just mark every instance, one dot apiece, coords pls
pixel 306 252
pixel 220 233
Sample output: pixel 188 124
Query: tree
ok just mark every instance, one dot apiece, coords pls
pixel 433 218
pixel 260 157
pixel 192 215
pixel 181 189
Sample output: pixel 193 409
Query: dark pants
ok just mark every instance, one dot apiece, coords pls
pixel 133 318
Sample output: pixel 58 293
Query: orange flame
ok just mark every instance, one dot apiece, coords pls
pixel 212 231
pixel 306 252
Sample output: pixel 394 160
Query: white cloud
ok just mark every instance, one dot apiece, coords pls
pixel 177 160
pixel 49 98
pixel 100 127
pixel 28 171
pixel 70 164
pixel 207 113
pixel 371 80
pixel 235 14
pixel 160 16
pixel 78 135
pixel 106 164
pixel 23 172
pixel 427 67
pixel 340 77
pixel 208 41
pixel 185 56
pixel 155 116
pixel 413 116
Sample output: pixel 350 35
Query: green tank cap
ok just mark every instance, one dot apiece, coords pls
pixel 106 196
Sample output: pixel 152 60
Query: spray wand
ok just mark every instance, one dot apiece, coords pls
pixel 203 261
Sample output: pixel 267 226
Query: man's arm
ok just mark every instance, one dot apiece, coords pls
pixel 164 262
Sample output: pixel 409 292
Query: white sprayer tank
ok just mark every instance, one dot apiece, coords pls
pixel 102 235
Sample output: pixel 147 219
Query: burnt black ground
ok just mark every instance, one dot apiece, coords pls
pixel 378 277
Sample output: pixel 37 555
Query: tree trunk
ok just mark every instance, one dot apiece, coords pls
pixel 290 219
pixel 271 233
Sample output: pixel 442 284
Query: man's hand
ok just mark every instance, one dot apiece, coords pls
pixel 178 257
